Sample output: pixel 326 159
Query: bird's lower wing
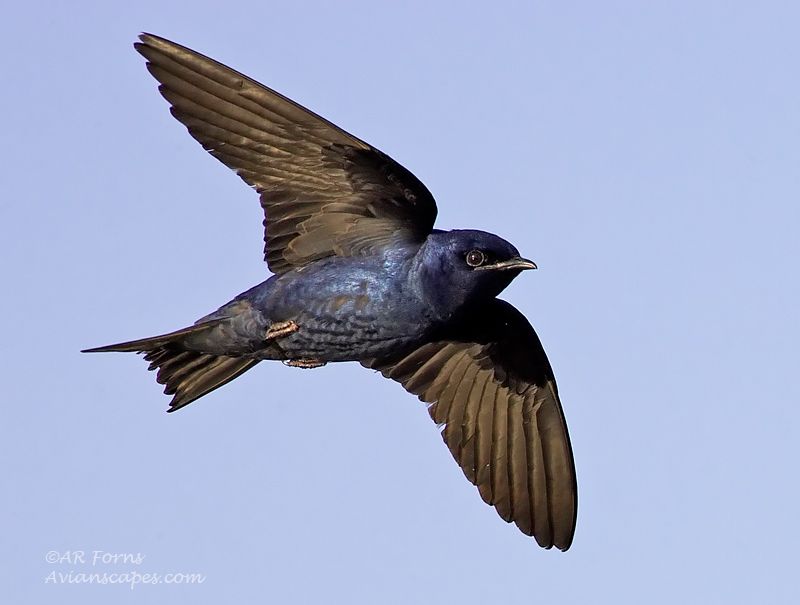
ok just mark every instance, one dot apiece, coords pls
pixel 489 385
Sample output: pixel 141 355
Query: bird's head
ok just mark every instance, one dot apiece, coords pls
pixel 464 266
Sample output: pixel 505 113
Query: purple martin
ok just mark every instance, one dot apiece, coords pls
pixel 360 274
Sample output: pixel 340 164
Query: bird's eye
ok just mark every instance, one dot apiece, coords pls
pixel 475 258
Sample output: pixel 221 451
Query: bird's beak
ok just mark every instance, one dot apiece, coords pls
pixel 520 264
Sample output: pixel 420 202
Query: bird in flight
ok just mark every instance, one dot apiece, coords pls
pixel 360 274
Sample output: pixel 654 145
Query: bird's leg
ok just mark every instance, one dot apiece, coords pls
pixel 304 363
pixel 280 329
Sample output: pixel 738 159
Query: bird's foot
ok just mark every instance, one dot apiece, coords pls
pixel 280 329
pixel 304 363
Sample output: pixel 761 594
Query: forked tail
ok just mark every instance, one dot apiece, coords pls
pixel 186 374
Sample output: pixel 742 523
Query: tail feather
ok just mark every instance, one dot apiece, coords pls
pixel 187 375
pixel 196 374
pixel 145 345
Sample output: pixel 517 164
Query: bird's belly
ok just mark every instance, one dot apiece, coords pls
pixel 343 339
pixel 348 327
pixel 342 313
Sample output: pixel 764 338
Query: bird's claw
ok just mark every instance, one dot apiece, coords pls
pixel 280 329
pixel 304 363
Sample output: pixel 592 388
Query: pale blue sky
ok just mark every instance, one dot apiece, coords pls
pixel 645 155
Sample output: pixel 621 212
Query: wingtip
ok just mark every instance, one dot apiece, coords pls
pixel 549 544
pixel 142 40
pixel 564 541
pixel 178 403
pixel 147 40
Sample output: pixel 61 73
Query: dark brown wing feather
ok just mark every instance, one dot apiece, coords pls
pixel 488 382
pixel 323 191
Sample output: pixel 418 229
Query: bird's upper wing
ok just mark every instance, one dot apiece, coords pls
pixel 324 192
pixel 489 384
